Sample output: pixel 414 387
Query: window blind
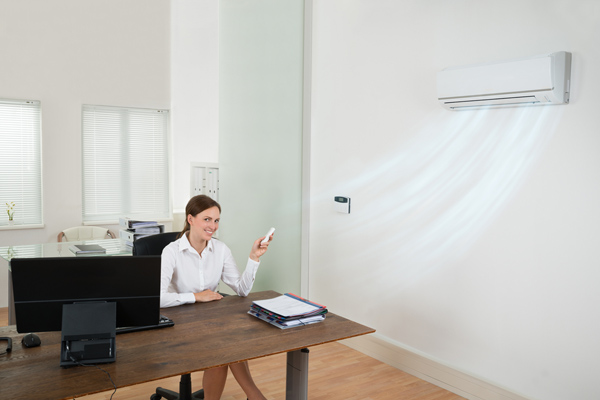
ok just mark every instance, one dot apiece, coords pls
pixel 125 163
pixel 21 161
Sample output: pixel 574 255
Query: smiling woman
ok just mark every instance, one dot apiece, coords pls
pixel 192 267
pixel 194 264
pixel 204 223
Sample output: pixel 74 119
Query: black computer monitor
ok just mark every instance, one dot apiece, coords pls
pixel 98 294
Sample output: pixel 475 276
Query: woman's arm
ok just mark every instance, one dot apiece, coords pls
pixel 242 284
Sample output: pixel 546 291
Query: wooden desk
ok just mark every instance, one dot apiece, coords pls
pixel 205 335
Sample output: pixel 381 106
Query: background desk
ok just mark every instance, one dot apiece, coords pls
pixel 205 335
pixel 114 247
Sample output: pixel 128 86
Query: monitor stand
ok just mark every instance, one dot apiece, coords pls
pixel 88 333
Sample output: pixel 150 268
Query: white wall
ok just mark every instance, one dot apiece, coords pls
pixel 66 53
pixel 194 91
pixel 473 235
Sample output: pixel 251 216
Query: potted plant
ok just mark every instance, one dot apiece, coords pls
pixel 10 210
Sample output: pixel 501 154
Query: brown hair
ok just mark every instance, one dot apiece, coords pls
pixel 195 206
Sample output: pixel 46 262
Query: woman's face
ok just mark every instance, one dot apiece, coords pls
pixel 205 224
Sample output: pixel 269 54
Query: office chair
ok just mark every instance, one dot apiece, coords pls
pixel 84 233
pixel 154 245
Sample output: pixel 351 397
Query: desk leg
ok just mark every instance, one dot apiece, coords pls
pixel 297 375
pixel 12 319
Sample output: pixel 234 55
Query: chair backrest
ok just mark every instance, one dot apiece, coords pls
pixel 153 245
pixel 84 233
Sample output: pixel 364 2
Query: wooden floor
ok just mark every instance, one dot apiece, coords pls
pixel 335 372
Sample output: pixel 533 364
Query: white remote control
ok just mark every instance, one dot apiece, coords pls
pixel 266 239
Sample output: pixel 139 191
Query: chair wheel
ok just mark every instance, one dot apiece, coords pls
pixel 155 397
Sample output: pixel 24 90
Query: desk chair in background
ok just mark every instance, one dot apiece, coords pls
pixel 78 233
pixel 154 245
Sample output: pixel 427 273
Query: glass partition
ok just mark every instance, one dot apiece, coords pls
pixel 260 134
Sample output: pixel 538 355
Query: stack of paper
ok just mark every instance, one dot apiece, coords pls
pixel 128 223
pixel 131 230
pixel 287 311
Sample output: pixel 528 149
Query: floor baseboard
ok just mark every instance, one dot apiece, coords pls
pixel 465 385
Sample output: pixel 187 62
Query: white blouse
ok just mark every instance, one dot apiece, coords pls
pixel 184 272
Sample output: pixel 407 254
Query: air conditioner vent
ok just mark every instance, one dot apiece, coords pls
pixel 532 81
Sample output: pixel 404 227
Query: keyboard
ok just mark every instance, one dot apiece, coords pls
pixel 163 322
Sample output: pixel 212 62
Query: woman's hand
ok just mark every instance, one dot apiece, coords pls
pixel 259 248
pixel 206 296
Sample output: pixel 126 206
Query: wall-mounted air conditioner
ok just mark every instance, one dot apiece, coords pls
pixel 537 80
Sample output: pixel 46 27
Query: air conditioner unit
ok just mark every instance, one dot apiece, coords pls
pixel 537 80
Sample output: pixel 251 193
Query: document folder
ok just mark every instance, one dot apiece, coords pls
pixel 287 311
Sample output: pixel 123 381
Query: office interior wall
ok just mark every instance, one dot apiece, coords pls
pixel 260 134
pixel 194 93
pixel 473 235
pixel 66 53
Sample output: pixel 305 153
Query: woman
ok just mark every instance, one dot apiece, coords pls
pixel 191 269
